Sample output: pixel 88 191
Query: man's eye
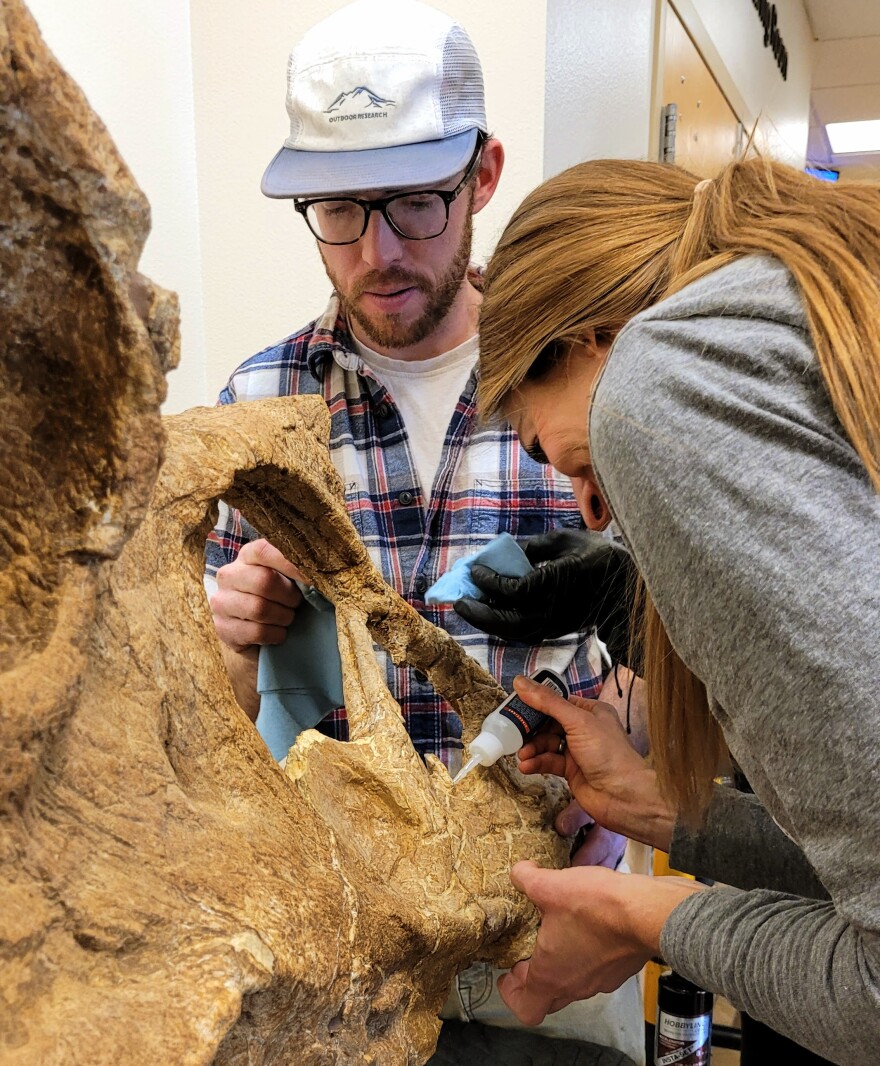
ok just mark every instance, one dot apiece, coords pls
pixel 418 203
pixel 336 210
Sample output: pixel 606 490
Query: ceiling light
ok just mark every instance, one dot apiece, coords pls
pixel 847 137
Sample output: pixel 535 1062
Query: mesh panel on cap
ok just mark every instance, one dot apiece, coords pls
pixel 462 106
pixel 295 121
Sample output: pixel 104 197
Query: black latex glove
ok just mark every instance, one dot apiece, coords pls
pixel 581 579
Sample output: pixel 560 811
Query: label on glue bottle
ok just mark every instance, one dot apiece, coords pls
pixel 526 719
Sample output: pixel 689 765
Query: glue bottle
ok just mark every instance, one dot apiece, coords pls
pixel 684 1023
pixel 509 726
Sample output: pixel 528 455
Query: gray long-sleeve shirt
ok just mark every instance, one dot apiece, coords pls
pixel 757 531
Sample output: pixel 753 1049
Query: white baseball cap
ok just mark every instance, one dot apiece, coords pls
pixel 382 94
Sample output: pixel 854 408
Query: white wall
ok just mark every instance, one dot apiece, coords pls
pixel 263 277
pixel 599 64
pixel 133 62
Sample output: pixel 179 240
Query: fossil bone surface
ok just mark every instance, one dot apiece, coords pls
pixel 169 893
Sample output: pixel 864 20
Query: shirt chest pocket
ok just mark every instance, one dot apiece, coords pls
pixel 524 508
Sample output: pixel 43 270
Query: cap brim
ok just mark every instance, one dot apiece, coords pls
pixel 297 173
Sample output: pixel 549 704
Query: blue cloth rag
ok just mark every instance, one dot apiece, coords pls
pixel 299 681
pixel 502 554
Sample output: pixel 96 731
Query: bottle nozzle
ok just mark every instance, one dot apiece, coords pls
pixel 472 763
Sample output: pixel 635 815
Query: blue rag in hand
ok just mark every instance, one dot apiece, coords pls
pixel 502 554
pixel 299 681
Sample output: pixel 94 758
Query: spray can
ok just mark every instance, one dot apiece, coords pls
pixel 509 726
pixel 684 1023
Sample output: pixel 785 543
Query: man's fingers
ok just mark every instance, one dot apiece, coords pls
pixel 240 635
pixel 248 608
pixel 262 553
pixel 256 580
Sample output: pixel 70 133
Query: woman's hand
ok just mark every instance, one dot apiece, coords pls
pixel 580 579
pixel 597 929
pixel 607 777
pixel 592 845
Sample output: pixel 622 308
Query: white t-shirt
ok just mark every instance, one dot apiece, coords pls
pixel 425 392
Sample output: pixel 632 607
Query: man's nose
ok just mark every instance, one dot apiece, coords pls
pixel 380 245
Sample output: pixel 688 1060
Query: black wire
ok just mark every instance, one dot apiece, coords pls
pixel 629 696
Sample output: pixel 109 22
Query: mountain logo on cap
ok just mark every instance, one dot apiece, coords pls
pixel 359 99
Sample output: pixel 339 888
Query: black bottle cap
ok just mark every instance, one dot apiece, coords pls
pixel 677 995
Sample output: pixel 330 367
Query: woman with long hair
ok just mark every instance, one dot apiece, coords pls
pixel 703 359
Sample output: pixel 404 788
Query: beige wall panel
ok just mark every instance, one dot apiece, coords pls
pixel 707 134
pixel 730 37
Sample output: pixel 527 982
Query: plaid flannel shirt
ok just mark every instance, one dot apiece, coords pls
pixel 485 485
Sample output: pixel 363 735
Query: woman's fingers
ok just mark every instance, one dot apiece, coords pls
pixel 573 818
pixel 542 755
pixel 568 713
pixel 546 741
pixel 543 764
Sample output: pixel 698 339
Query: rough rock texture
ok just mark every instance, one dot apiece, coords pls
pixel 169 895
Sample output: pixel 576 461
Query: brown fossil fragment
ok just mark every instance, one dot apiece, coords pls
pixel 167 892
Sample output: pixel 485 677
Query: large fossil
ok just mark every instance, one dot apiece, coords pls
pixel 169 894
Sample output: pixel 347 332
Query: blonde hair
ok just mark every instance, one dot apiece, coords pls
pixel 604 240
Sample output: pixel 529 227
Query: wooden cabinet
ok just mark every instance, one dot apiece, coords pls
pixel 708 132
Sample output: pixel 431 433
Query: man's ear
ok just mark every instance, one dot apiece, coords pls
pixel 491 165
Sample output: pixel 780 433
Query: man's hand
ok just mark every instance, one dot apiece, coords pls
pixel 581 579
pixel 597 929
pixel 256 598
pixel 610 781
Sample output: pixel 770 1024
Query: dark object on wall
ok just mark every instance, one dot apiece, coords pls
pixel 772 36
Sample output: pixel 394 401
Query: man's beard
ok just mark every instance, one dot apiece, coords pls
pixel 388 331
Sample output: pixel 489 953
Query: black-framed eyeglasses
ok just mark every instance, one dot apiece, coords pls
pixel 416 216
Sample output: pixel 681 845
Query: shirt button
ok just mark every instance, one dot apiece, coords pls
pixel 420 676
pixel 405 498
pixel 384 411
pixel 421 585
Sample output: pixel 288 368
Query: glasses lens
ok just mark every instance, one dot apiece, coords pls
pixel 419 215
pixel 336 221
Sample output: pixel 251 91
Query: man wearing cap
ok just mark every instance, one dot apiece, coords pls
pixel 387 161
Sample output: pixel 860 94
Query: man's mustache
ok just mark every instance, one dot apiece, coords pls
pixel 381 280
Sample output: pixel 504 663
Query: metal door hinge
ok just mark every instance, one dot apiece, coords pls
pixel 668 123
